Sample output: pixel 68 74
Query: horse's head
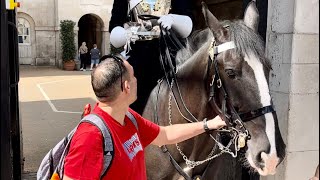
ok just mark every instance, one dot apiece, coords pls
pixel 244 72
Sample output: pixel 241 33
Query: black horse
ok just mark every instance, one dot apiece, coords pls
pixel 222 70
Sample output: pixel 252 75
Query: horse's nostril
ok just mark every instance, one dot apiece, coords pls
pixel 259 160
pixel 259 157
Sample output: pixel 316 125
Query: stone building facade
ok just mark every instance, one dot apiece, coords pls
pixel 39 22
pixel 293 47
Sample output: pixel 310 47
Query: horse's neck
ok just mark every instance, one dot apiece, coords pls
pixel 192 99
pixel 192 79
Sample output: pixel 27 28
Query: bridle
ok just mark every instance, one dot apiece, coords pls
pixel 234 119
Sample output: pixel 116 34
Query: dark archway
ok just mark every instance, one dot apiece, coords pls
pixel 90 32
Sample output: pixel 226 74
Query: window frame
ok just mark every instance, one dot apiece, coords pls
pixel 25 27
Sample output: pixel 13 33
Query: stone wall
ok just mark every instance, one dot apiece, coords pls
pixel 45 46
pixel 293 47
pixel 42 13
pixel 47 15
pixel 83 7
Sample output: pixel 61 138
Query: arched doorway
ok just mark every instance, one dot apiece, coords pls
pixel 90 32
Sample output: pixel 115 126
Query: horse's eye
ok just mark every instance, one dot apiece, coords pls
pixel 230 73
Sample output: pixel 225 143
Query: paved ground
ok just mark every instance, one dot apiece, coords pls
pixel 29 176
pixel 51 102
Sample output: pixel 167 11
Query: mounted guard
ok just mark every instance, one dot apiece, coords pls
pixel 140 38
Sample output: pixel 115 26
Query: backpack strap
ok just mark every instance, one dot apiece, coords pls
pixel 108 149
pixel 132 119
pixel 67 141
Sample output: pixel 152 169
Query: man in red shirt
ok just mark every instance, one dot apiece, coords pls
pixel 115 86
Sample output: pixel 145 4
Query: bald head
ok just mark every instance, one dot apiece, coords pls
pixel 106 79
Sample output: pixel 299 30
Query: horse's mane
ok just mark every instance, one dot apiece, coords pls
pixel 195 41
pixel 245 39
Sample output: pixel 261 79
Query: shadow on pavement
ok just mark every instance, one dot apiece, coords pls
pixel 42 128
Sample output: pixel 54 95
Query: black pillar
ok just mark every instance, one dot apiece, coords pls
pixel 9 111
pixel 6 151
pixel 14 99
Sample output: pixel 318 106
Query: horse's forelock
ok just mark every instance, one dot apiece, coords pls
pixel 247 41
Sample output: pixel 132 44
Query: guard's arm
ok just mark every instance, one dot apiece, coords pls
pixel 119 14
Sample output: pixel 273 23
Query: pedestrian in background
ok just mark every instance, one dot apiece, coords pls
pixel 95 55
pixel 83 50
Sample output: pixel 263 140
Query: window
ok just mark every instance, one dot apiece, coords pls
pixel 23 31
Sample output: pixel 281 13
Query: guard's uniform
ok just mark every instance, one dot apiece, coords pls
pixel 144 53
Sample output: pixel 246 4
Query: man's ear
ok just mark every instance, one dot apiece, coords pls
pixel 126 85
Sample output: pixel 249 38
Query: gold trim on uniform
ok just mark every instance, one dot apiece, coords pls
pixel 161 7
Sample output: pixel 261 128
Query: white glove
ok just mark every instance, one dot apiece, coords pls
pixel 179 23
pixel 166 21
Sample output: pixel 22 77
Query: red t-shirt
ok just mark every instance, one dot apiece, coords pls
pixel 85 157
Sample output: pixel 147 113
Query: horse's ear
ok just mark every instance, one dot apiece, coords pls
pixel 213 23
pixel 251 16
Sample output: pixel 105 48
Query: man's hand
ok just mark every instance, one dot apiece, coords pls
pixel 216 123
pixel 314 178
